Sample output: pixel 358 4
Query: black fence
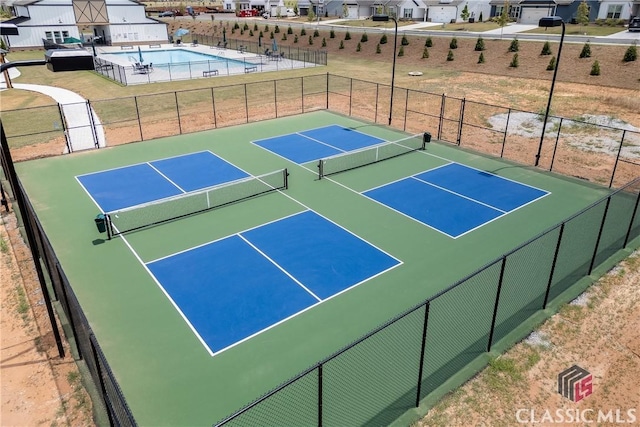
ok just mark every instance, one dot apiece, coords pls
pixel 379 377
pixel 606 155
pixel 386 372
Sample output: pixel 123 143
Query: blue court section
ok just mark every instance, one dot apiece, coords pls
pixel 455 199
pixel 314 144
pixel 287 266
pixel 145 182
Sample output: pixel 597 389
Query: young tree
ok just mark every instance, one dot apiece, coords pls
pixel 595 69
pixel 311 16
pixel 358 47
pixel 401 51
pixel 514 62
pixel 631 54
pixel 514 46
pixel 503 18
pixel 347 35
pixel 310 40
pixel 364 38
pixel 341 44
pixel 425 52
pixel 586 51
pixel 582 14
pixel 453 44
pixel 324 42
pixel 450 55
pixel 546 49
pixel 378 50
pixel 465 12
pixel 345 11
pixel 383 39
pixel 332 34
pixel 405 41
pixel 479 45
pixel 481 58
pixel 428 42
pixel 552 64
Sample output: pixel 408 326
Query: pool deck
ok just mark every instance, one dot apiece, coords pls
pixel 250 62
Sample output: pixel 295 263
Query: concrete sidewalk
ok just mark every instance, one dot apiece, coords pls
pixel 84 130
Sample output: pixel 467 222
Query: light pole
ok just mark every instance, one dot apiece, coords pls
pixel 385 18
pixel 550 21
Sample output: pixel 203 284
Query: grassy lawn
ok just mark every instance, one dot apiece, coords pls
pixel 579 30
pixel 464 26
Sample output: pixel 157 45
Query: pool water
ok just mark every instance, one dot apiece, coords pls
pixel 173 56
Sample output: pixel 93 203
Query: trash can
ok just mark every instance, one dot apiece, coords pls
pixel 426 137
pixel 101 223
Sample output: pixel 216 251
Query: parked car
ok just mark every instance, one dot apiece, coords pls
pixel 166 14
pixel 634 24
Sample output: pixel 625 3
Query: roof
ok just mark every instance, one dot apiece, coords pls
pixel 442 3
pixel 25 2
pixel 16 21
pixel 538 2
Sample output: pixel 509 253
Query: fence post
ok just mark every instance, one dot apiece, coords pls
pixel 320 395
pixel 461 121
pixel 406 108
pixel 327 101
pixel 103 388
pixel 495 307
pixel 275 96
pixel 442 101
pixel 375 117
pixel 595 249
pixel 246 103
pixel 94 133
pixel 135 100
pixel 178 112
pixel 555 147
pixel 615 165
pixel 63 122
pixel 213 103
pixel 553 267
pixel 350 94
pixel 424 341
pixel 504 137
pixel 633 216
pixel 302 92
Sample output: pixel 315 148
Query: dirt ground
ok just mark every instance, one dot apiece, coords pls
pixel 600 333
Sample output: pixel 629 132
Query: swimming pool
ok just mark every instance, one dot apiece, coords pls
pixel 170 56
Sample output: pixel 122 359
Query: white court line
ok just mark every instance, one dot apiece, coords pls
pixel 166 177
pixel 459 195
pixel 89 194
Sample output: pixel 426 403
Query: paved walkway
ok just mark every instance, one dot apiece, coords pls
pixel 83 125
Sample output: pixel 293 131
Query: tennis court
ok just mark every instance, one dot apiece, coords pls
pixel 232 267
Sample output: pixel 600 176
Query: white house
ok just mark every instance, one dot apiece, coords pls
pixel 106 21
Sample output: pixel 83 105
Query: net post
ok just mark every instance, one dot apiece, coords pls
pixel 285 172
pixel 426 138
pixel 320 169
pixel 107 223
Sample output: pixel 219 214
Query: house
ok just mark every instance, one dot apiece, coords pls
pixel 114 22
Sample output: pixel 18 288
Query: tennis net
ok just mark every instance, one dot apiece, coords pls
pixel 366 156
pixel 171 208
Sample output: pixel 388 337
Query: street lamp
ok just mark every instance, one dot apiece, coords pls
pixel 385 18
pixel 550 21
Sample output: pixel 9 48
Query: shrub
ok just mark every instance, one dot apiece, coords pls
pixel 242 32
pixel 260 35
pixel 425 52
pixel 479 45
pixel 347 36
pixel 358 48
pixel 481 58
pixel 310 40
pixel 453 44
pixel 450 55
pixel 303 32
pixel 246 26
pixel 401 51
pixel 404 41
pixel 586 51
pixel 295 39
pixel 631 54
pixel 378 48
pixel 236 26
pixel 289 30
pixel 233 30
pixel 546 49
pixel 383 39
pixel 284 36
pixel 276 30
pixel 271 35
pixel 595 69
pixel 552 64
pixel 266 27
pixel 332 34
pixel 514 61
pixel 364 38
pixel 428 42
pixel 514 46
pixel 255 27
pixel 316 33
pixel 341 44
pixel 324 42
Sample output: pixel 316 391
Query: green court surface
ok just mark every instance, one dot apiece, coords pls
pixel 165 373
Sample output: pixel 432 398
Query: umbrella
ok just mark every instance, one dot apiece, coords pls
pixel 140 55
pixel 275 46
pixel 181 32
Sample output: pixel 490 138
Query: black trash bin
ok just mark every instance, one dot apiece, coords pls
pixel 101 223
pixel 426 137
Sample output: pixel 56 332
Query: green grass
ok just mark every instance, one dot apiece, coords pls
pixel 4 248
pixel 578 30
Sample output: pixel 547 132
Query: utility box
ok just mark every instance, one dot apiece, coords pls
pixel 101 223
pixel 68 60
